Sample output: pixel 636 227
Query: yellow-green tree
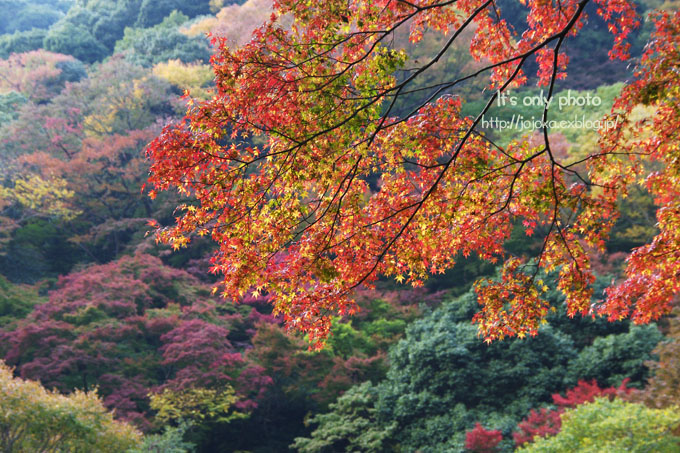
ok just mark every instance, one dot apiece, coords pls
pixel 196 404
pixel 33 419
pixel 613 426
pixel 40 196
pixel 194 77
pixel 37 197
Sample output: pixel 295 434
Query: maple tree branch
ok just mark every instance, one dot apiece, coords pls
pixel 424 68
pixel 560 36
pixel 298 143
pixel 429 192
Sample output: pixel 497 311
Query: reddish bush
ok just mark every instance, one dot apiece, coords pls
pixel 481 440
pixel 542 423
pixel 586 392
pixel 547 422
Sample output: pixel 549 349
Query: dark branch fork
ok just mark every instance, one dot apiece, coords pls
pixel 560 36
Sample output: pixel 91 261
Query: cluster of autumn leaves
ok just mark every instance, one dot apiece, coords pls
pixel 292 207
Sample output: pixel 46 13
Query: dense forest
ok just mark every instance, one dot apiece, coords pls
pixel 115 337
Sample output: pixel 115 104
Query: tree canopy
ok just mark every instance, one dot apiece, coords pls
pixel 35 419
pixel 615 426
pixel 442 379
pixel 312 184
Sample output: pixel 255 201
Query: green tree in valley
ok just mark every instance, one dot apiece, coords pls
pixel 163 42
pixel 350 426
pixel 19 42
pixel 443 379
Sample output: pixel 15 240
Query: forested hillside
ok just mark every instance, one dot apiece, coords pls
pixel 160 290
